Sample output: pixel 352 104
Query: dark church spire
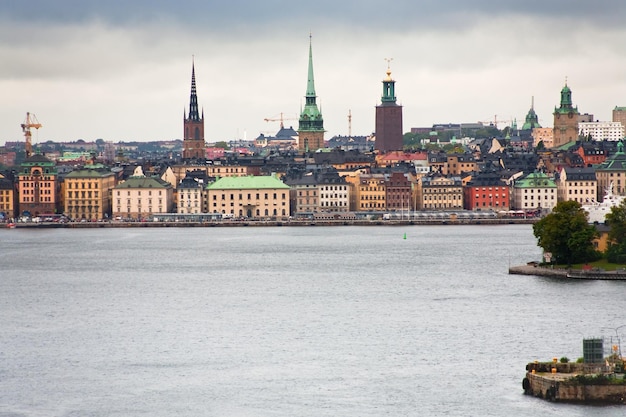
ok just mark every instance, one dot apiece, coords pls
pixel 193 99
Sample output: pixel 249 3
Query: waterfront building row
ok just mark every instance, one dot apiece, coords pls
pixel 322 182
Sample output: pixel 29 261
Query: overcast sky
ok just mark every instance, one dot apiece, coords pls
pixel 121 70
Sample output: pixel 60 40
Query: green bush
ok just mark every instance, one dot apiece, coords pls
pixel 564 359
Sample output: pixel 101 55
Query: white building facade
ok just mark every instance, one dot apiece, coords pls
pixel 599 131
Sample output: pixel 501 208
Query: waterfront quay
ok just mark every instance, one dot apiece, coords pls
pixel 595 274
pixel 575 383
pixel 271 223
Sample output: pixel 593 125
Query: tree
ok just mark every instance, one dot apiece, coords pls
pixel 567 234
pixel 616 220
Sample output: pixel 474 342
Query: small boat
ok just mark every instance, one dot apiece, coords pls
pixel 11 225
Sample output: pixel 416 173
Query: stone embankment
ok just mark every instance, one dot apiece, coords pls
pixel 270 223
pixel 568 382
pixel 538 271
pixel 593 274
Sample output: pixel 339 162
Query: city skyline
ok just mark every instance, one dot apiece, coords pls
pixel 121 72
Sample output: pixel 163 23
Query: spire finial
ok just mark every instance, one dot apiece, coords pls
pixel 388 68
pixel 310 87
pixel 566 80
pixel 532 102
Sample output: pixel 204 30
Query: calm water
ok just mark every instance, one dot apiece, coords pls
pixel 291 321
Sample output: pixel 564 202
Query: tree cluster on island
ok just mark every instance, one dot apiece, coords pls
pixel 566 234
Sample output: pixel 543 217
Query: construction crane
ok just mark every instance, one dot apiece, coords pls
pixel 30 122
pixel 350 123
pixel 281 120
pixel 495 121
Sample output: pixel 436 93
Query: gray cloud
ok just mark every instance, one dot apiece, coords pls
pixel 92 71
pixel 390 15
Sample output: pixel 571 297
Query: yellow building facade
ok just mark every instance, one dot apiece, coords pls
pixel 87 194
pixel 252 197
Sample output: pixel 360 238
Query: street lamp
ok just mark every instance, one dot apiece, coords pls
pixel 617 338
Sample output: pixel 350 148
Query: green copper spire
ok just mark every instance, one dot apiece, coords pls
pixel 532 120
pixel 566 102
pixel 311 117
pixel 566 96
pixel 310 85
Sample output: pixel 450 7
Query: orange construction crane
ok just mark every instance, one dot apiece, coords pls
pixel 281 120
pixel 30 122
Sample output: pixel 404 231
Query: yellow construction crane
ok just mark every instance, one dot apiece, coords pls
pixel 281 120
pixel 495 121
pixel 30 122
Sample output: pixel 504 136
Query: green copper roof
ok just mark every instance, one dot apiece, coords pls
pixel 616 162
pixel 311 119
pixel 144 182
pixel 532 121
pixel 89 173
pixel 389 93
pixel 247 183
pixel 566 102
pixel 535 180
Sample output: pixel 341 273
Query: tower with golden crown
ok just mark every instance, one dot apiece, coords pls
pixel 388 118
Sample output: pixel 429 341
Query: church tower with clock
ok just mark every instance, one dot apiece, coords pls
pixel 311 122
pixel 565 119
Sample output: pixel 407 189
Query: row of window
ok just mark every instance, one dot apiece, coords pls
pixel 232 204
pixel 82 185
pixel 442 197
pixel 547 197
pixel 32 199
pixel 266 196
pixel 38 179
pixel 128 201
pixel 491 196
pixel 430 190
pixel 26 192
pixel 138 192
pixel 40 184
pixel 82 202
pixel 581 192
pixel 83 209
pixel 323 196
pixel 119 210
pixel 83 194
pixel 440 205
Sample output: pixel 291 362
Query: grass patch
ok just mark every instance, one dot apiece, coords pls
pixel 601 264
